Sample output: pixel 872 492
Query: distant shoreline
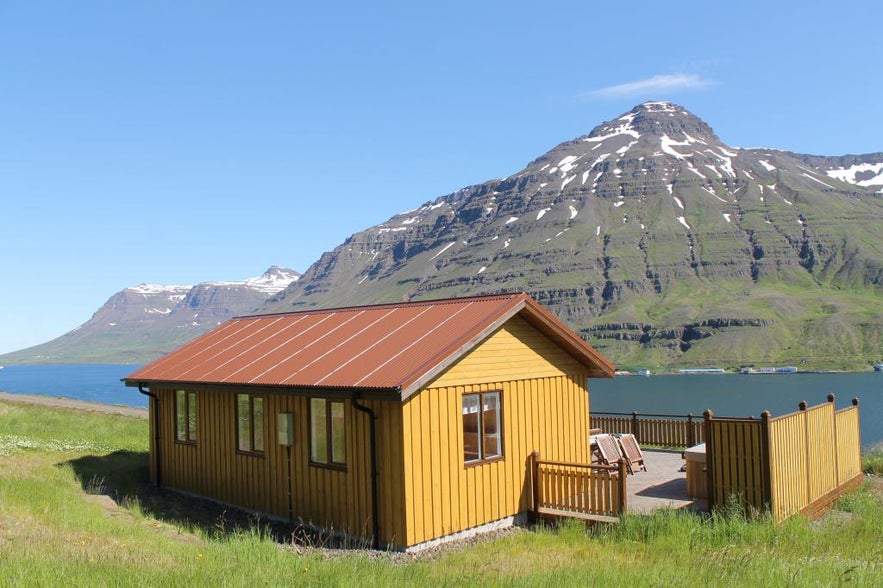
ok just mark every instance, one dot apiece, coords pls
pixel 55 402
pixel 730 372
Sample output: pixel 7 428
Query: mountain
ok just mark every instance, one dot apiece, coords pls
pixel 655 240
pixel 141 323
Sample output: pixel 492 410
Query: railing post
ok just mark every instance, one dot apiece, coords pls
pixel 765 462
pixel 623 495
pixel 802 405
pixel 690 440
pixel 535 477
pixel 708 415
pixel 634 426
pixel 836 444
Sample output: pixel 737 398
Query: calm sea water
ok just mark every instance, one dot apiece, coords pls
pixel 726 395
pixel 92 382
pixel 737 395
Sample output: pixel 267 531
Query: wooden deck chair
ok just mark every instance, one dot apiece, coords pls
pixel 632 451
pixel 608 449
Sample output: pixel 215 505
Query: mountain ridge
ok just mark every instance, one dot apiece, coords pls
pixel 648 220
pixel 652 238
pixel 142 322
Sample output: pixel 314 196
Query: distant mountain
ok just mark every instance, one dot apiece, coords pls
pixel 141 323
pixel 659 243
pixel 656 241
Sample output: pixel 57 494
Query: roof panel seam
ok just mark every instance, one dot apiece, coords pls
pixel 301 350
pixel 384 338
pixel 218 353
pixel 262 356
pixel 412 344
pixel 211 347
pixel 339 345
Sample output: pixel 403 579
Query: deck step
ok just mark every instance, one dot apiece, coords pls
pixel 584 516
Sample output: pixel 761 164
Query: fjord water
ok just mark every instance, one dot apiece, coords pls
pixel 726 395
pixel 90 382
pixel 737 395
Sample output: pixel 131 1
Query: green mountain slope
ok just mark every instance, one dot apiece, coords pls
pixel 660 244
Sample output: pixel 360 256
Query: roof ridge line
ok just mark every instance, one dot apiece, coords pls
pixel 438 301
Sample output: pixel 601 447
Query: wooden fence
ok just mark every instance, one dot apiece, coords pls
pixel 796 463
pixel 587 491
pixel 661 430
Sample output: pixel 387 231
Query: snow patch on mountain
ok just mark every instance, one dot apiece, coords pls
pixel 625 128
pixel 860 174
pixel 443 249
pixel 272 281
pixel 815 179
pixel 150 289
pixel 568 163
pixel 667 145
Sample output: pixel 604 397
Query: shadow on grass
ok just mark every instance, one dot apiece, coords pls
pixel 124 476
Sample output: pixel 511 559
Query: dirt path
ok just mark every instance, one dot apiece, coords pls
pixel 73 404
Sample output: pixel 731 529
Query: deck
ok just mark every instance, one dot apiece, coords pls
pixel 663 485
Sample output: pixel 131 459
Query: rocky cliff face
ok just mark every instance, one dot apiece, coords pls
pixel 141 323
pixel 659 243
pixel 715 253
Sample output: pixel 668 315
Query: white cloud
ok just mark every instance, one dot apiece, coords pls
pixel 653 85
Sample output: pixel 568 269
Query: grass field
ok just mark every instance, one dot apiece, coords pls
pixel 76 510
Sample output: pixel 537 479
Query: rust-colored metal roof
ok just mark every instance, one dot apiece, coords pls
pixel 391 347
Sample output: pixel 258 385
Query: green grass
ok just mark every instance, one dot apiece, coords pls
pixel 872 460
pixel 57 527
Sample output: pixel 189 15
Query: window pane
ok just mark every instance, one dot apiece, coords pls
pixel 257 423
pixel 318 430
pixel 243 423
pixel 471 448
pixel 490 420
pixel 191 416
pixel 338 433
pixel 180 415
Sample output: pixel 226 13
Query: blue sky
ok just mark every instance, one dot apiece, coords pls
pixel 181 142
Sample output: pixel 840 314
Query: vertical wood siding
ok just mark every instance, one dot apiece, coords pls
pixel 734 461
pixel 335 499
pixel 796 463
pixel 814 454
pixel 787 464
pixel 848 440
pixel 516 351
pixel 545 407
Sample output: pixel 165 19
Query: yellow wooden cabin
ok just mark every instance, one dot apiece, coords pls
pixel 403 424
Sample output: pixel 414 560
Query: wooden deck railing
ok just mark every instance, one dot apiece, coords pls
pixel 796 463
pixel 662 430
pixel 587 491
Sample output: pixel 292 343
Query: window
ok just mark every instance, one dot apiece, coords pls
pixel 327 432
pixel 250 423
pixel 185 416
pixel 482 427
